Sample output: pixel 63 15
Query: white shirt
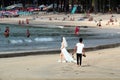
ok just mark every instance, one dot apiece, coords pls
pixel 80 47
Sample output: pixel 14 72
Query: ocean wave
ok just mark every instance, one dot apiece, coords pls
pixel 43 39
pixel 28 40
pixel 16 41
pixel 20 41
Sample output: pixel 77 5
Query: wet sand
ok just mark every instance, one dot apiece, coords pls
pixel 101 65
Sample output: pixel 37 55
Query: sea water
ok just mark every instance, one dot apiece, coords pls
pixel 49 38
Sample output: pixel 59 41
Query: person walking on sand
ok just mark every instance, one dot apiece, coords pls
pixel 79 50
pixel 65 56
pixel 63 45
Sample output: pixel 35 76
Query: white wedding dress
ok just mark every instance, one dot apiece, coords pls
pixel 67 56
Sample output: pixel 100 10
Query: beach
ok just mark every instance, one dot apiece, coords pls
pixel 101 65
pixel 98 65
pixel 66 20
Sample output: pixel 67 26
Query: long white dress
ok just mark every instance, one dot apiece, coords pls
pixel 67 56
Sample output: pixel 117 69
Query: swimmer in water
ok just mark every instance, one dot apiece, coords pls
pixel 6 32
pixel 28 33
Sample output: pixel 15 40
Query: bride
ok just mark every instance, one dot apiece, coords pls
pixel 65 56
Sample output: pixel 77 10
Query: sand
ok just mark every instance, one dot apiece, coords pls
pixel 100 64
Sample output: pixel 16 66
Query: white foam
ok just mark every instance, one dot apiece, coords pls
pixel 60 26
pixel 28 40
pixel 16 41
pixel 43 39
pixel 118 32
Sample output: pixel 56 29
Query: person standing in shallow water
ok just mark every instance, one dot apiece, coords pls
pixel 79 50
pixel 6 32
pixel 28 33
pixel 77 30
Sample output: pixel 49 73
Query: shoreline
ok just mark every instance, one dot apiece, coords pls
pixel 49 52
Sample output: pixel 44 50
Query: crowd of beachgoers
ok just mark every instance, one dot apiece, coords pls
pixel 95 20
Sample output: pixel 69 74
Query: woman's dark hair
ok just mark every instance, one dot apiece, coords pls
pixel 80 39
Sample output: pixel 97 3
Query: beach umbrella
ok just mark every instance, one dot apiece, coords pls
pixel 10 7
pixel 14 6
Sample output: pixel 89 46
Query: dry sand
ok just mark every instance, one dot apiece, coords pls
pixel 98 65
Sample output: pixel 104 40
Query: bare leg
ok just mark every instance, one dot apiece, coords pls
pixel 61 57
